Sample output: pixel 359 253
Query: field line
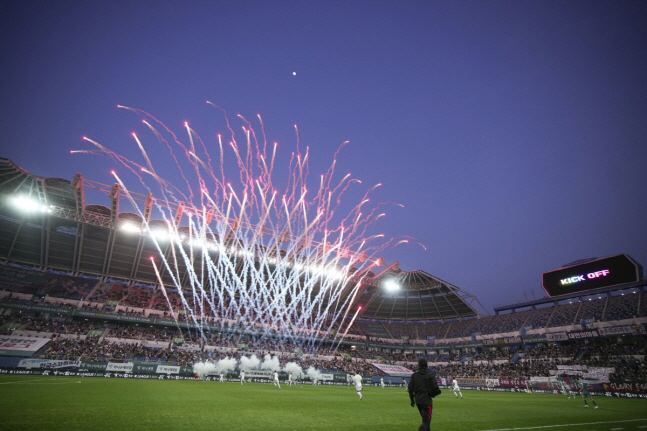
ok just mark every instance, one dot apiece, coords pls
pixel 22 381
pixel 38 382
pixel 567 425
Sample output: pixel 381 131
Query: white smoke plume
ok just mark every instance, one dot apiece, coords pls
pixel 313 373
pixel 294 368
pixel 226 364
pixel 249 363
pixel 271 363
pixel 202 369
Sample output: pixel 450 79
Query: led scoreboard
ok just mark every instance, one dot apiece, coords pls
pixel 594 274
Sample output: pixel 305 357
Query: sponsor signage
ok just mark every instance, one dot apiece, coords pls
pixel 167 369
pixel 40 308
pixel 557 336
pixel 470 382
pixel 112 316
pixel 92 366
pixel 125 367
pixel 507 382
pixel 47 364
pixel 576 335
pixel 534 339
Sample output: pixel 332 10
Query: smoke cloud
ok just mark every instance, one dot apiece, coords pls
pixel 271 363
pixel 249 363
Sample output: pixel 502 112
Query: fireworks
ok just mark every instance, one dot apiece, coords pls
pixel 280 264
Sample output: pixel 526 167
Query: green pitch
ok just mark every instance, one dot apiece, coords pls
pixel 72 403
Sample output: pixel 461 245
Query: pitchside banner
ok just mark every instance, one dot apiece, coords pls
pixel 18 345
pixel 167 369
pixel 393 370
pixel 48 364
pixel 512 383
pixel 126 367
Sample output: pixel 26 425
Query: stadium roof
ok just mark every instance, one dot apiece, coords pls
pixel 60 232
pixel 421 297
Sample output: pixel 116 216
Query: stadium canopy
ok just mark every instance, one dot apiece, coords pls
pixel 46 224
pixel 397 295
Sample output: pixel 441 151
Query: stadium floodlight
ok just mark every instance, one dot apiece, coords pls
pixel 129 227
pixel 391 286
pixel 335 274
pixel 160 234
pixel 28 204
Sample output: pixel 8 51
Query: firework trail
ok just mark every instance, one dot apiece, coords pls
pixel 256 261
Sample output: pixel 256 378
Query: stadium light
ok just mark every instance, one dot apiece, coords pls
pixel 129 227
pixel 27 204
pixel 391 286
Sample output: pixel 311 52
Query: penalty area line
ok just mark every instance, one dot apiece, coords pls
pixel 567 425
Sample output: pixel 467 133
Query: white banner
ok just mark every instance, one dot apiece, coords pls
pixel 22 344
pixel 167 369
pixel 126 367
pixel 48 364
pixel 393 370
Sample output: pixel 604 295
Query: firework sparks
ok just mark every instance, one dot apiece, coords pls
pixel 275 264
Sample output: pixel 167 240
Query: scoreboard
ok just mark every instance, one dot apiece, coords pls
pixel 594 274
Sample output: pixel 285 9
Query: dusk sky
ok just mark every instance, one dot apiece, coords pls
pixel 513 132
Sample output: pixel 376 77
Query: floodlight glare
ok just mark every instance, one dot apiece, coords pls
pixel 26 204
pixel 391 286
pixel 130 228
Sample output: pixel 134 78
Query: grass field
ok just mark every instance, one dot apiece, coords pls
pixel 73 403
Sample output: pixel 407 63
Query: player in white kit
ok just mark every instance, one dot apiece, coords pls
pixel 357 379
pixel 290 379
pixel 456 389
pixel 382 382
pixel 222 377
pixel 276 380
pixel 242 377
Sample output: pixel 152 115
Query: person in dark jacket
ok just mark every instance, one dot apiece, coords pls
pixel 422 388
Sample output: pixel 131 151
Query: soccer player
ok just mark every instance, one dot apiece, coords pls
pixel 315 382
pixel 222 377
pixel 382 382
pixel 456 389
pixel 586 393
pixel 422 388
pixel 290 379
pixel 567 390
pixel 276 380
pixel 242 377
pixel 358 385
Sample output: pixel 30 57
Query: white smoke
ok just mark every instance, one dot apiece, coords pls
pixel 294 368
pixel 226 364
pixel 249 363
pixel 202 369
pixel 271 363
pixel 313 373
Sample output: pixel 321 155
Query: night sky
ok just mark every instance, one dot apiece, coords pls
pixel 514 133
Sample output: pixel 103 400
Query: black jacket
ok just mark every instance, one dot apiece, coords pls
pixel 423 387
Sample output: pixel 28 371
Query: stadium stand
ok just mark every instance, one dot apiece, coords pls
pixel 564 314
pixel 592 309
pixel 623 306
